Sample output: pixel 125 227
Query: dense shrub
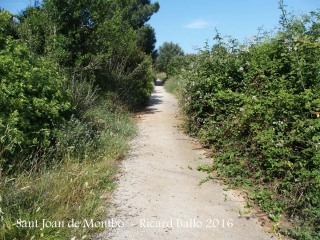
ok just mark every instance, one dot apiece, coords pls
pixel 75 188
pixel 69 73
pixel 33 101
pixel 57 58
pixel 257 106
pixel 123 67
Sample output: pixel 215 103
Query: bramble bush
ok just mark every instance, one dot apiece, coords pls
pixel 257 106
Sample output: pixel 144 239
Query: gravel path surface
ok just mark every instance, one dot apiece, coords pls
pixel 158 194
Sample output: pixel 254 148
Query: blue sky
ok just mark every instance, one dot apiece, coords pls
pixel 191 22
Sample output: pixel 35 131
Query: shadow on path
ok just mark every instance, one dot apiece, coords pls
pixel 155 101
pixel 158 82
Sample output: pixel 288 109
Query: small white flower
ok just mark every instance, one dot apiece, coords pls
pixel 245 49
pixel 241 69
pixel 312 128
pixel 241 109
pixel 280 144
pixel 254 98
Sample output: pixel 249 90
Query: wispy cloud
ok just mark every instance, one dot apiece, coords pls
pixel 199 23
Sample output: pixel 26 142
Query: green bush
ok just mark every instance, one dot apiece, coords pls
pixel 125 69
pixel 67 82
pixel 257 105
pixel 75 187
pixel 172 85
pixel 33 101
pixel 135 89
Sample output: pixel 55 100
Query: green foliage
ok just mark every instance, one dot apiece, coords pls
pixel 177 67
pixel 179 63
pixel 126 69
pixel 102 42
pixel 147 40
pixel 33 29
pixel 138 12
pixel 7 27
pixel 160 75
pixel 257 106
pixel 70 71
pixel 33 101
pixel 173 84
pixel 167 52
pixel 74 189
pixel 64 53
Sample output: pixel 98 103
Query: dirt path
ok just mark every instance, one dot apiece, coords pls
pixel 158 194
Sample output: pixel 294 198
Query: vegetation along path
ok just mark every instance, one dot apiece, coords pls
pixel 159 195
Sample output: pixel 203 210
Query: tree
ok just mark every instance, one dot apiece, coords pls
pixel 34 28
pixel 8 25
pixel 53 58
pixel 167 52
pixel 138 12
pixel 147 40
